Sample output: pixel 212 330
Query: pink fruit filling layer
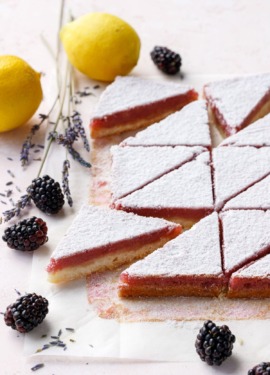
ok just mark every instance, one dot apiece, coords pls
pixel 144 112
pixel 125 245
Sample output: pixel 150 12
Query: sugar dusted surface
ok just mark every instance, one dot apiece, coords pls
pixel 236 98
pixel 127 92
pixel 256 134
pixel 189 186
pixel 245 234
pixel 102 288
pixel 260 268
pixel 237 168
pixel 192 253
pixel 190 127
pixel 99 226
pixel 257 196
pixel 133 167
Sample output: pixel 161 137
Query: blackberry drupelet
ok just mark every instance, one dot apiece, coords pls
pixel 214 344
pixel 46 194
pixel 262 368
pixel 166 60
pixel 27 235
pixel 26 312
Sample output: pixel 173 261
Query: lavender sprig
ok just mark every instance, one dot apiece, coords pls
pixel 24 201
pixel 27 144
pixel 67 141
pixel 77 157
pixel 77 122
pixel 65 182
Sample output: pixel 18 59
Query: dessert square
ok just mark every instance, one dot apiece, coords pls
pixel 131 103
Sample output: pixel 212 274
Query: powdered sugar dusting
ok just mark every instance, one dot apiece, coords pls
pixel 189 186
pixel 237 168
pixel 260 268
pixel 256 134
pixel 99 226
pixel 140 92
pixel 236 98
pixel 257 196
pixel 245 234
pixel 192 253
pixel 190 127
pixel 133 167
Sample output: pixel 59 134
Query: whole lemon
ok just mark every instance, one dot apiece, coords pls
pixel 20 92
pixel 101 45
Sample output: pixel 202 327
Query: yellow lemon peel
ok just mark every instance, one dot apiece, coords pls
pixel 101 46
pixel 20 92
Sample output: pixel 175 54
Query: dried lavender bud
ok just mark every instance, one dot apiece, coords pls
pixel 76 156
pixel 24 201
pixel 37 367
pixel 78 125
pixel 27 144
pixel 67 141
pixel 11 173
pixel 65 182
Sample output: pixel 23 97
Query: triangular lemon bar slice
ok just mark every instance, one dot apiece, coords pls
pixel 238 102
pixel 252 280
pixel 133 102
pixel 100 239
pixel 188 127
pixel 256 197
pixel 189 265
pixel 236 169
pixel 246 237
pixel 183 195
pixel 134 167
pixel 256 134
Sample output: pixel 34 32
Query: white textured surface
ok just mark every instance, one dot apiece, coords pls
pixel 191 253
pixel 237 168
pixel 189 186
pixel 128 92
pixel 256 134
pixel 99 226
pixel 133 167
pixel 236 98
pixel 260 268
pixel 245 234
pixel 189 126
pixel 257 196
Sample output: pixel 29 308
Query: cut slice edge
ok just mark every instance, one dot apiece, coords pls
pixel 185 193
pixel 100 238
pixel 130 103
pixel 236 169
pixel 256 135
pixel 256 197
pixel 238 102
pixel 135 167
pixel 245 236
pixel 251 281
pixel 187 127
pixel 189 265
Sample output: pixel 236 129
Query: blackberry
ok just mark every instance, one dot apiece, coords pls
pixel 27 235
pixel 261 369
pixel 26 312
pixel 166 60
pixel 214 344
pixel 46 194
